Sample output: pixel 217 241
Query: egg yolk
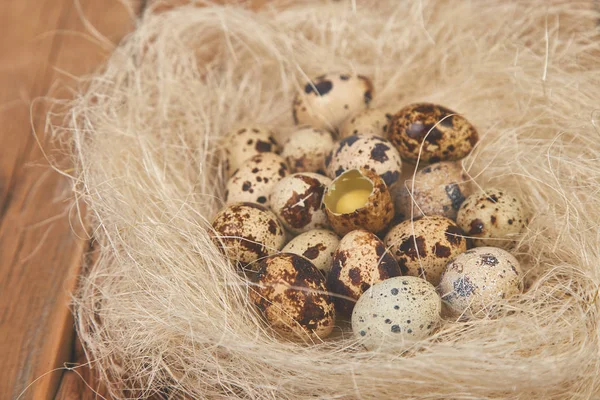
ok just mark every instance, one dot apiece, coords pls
pixel 352 200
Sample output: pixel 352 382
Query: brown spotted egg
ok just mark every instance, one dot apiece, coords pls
pixel 329 99
pixel 360 261
pixel 493 218
pixel 369 122
pixel 296 200
pixel 368 152
pixel 395 311
pixel 306 149
pixel 247 232
pixel 443 134
pixel 478 279
pixel 318 245
pixel 358 199
pixel 245 142
pixel 439 189
pixel 292 296
pixel 253 181
pixel 423 247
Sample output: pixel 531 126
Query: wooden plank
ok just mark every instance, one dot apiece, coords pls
pixel 41 253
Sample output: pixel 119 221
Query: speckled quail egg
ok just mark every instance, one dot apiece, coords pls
pixel 244 142
pixel 329 99
pixel 478 278
pixel 292 296
pixel 439 189
pixel 445 135
pixel 306 149
pixel 369 122
pixel 494 217
pixel 358 199
pixel 318 245
pixel 296 200
pixel 253 181
pixel 423 247
pixel 368 152
pixel 361 260
pixel 396 311
pixel 247 232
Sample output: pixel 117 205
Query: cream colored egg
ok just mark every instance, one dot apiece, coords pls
pixel 361 260
pixel 292 296
pixel 247 232
pixel 368 152
pixel 477 280
pixel 296 200
pixel 493 218
pixel 396 311
pixel 253 181
pixel 369 122
pixel 423 247
pixel 329 99
pixel 318 245
pixel 439 189
pixel 244 142
pixel 306 149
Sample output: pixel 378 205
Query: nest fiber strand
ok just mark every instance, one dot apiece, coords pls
pixel 162 313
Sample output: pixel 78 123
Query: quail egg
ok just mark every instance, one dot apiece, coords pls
pixel 477 279
pixel 369 152
pixel 306 149
pixel 493 218
pixel 292 296
pixel 296 200
pixel 247 232
pixel 358 199
pixel 369 122
pixel 439 189
pixel 424 246
pixel 443 134
pixel 318 245
pixel 253 181
pixel 329 99
pixel 245 142
pixel 396 311
pixel 361 260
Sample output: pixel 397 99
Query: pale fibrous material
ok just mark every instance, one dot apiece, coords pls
pixel 162 312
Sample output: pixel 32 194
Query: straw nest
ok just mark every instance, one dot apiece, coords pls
pixel 162 312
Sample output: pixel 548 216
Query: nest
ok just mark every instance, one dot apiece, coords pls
pixel 161 312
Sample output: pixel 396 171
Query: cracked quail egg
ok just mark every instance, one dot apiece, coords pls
pixel 396 311
pixel 331 98
pixel 318 245
pixel 253 181
pixel 292 296
pixel 296 200
pixel 306 149
pixel 369 122
pixel 245 142
pixel 247 232
pixel 478 278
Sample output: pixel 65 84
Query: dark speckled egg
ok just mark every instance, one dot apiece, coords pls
pixel 444 134
pixel 292 296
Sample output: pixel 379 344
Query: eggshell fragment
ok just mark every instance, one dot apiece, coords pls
pixel 396 311
pixel 329 99
pixel 479 278
pixel 306 149
pixel 423 247
pixel 244 142
pixel 369 122
pixel 493 218
pixel 374 214
pixel 439 189
pixel 296 200
pixel 292 296
pixel 443 134
pixel 253 181
pixel 247 232
pixel 360 261
pixel 317 245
